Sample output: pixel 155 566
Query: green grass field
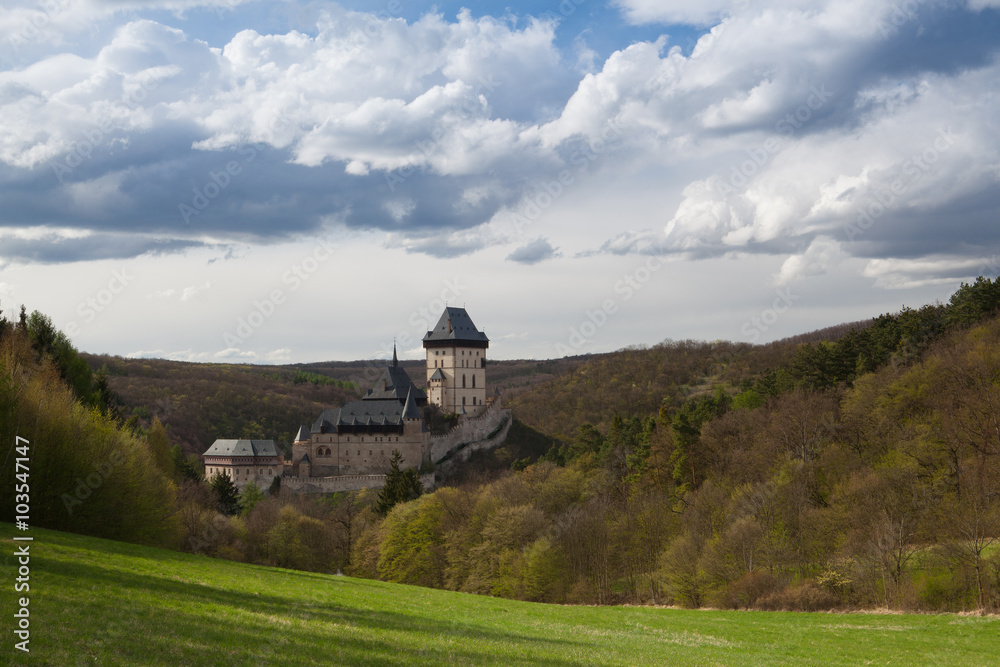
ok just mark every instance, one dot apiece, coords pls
pixel 109 603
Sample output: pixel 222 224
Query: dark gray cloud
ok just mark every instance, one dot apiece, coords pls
pixel 537 251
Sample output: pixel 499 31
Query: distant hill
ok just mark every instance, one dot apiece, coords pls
pixel 199 403
pixel 640 380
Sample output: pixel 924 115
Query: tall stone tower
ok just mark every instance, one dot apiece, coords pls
pixel 456 363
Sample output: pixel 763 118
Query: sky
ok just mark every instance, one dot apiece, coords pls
pixel 285 182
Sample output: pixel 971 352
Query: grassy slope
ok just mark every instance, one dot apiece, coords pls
pixel 100 602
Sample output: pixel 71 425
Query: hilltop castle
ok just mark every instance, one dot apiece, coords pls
pixel 350 446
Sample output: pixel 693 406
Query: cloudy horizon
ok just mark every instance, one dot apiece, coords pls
pixel 226 180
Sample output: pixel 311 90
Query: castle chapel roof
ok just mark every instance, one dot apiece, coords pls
pixel 368 416
pixel 381 410
pixel 395 383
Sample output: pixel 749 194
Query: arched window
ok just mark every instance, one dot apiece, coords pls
pixel 473 384
pixel 463 400
pixel 260 471
pixel 463 380
pixel 473 381
pixel 248 472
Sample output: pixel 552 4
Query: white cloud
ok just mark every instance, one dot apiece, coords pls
pixel 179 355
pixel 196 290
pixel 236 354
pixel 821 255
pixel 677 11
pixel 283 355
pixel 895 273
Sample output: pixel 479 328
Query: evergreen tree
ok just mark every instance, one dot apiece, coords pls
pixel 227 495
pixel 105 398
pixel 184 467
pixel 251 496
pixel 159 447
pixel 275 487
pixel 400 486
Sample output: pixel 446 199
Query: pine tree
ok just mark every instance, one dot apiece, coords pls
pixel 251 496
pixel 226 493
pixel 400 485
pixel 183 466
pixel 159 446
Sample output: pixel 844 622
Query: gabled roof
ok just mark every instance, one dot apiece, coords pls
pixel 455 325
pixel 360 413
pixel 303 434
pixel 305 458
pixel 242 448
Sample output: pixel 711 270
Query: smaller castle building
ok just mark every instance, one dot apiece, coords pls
pixel 244 461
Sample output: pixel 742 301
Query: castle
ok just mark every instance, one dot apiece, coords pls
pixel 351 446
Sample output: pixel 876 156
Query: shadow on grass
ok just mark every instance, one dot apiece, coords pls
pixel 150 619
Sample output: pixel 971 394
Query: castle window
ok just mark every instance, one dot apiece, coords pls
pixel 248 472
pixel 270 471
pixel 463 380
pixel 260 472
pixel 463 400
pixel 473 381
pixel 473 384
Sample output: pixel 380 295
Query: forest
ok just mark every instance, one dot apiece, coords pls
pixel 852 468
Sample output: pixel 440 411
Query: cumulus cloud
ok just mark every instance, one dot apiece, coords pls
pixel 677 11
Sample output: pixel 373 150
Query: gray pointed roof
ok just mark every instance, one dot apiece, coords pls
pixel 438 375
pixel 305 458
pixel 242 448
pixel 395 383
pixel 455 325
pixel 303 434
pixel 410 409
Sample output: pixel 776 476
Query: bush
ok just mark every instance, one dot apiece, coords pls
pixel 751 587
pixel 803 597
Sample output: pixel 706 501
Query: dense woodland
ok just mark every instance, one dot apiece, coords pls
pixel 852 468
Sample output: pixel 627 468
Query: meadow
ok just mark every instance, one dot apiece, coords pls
pixel 99 602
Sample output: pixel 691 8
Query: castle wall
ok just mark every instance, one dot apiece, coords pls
pixel 361 453
pixel 343 483
pixel 469 429
pixel 463 451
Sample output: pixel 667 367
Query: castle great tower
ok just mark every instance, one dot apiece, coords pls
pixel 456 363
